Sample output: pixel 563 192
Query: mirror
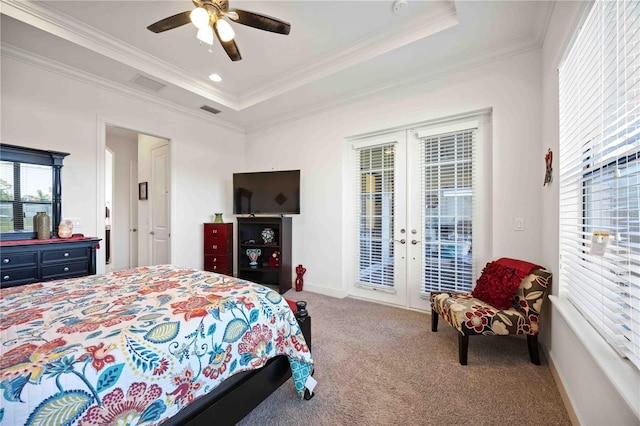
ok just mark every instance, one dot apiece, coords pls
pixel 30 182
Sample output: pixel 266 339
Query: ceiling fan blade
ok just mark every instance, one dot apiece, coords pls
pixel 171 22
pixel 262 22
pixel 229 46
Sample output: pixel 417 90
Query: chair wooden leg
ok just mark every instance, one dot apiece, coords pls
pixel 434 320
pixel 463 347
pixel 532 343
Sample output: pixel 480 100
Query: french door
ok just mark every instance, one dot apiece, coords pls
pixel 414 213
pixel 380 245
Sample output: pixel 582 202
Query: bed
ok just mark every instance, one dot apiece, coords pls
pixel 151 345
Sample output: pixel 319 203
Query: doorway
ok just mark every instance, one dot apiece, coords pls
pixel 132 217
pixel 419 197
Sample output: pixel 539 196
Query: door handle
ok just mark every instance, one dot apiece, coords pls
pixel 152 233
pixel 402 241
pixel 134 230
pixel 414 242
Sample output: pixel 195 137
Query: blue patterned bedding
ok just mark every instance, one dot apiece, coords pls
pixel 134 347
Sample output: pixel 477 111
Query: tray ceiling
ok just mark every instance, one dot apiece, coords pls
pixel 336 51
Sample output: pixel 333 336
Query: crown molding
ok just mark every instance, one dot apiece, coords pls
pixel 40 16
pixel 49 20
pixel 542 22
pixel 517 48
pixel 363 49
pixel 29 58
pixel 366 47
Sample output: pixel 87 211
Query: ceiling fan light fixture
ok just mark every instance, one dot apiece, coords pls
pixel 199 17
pixel 205 35
pixel 225 31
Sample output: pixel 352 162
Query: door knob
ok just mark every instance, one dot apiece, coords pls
pixel 152 233
pixel 402 241
pixel 414 242
pixel 134 230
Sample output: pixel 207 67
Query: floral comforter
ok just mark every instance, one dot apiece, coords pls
pixel 134 347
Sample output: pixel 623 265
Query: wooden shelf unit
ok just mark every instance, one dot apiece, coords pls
pixel 250 237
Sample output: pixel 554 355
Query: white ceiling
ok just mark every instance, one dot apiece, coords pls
pixel 337 51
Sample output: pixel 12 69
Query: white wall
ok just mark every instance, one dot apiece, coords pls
pixel 45 110
pixel 511 87
pixel 601 387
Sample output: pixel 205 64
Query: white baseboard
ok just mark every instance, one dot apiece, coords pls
pixel 559 383
pixel 325 291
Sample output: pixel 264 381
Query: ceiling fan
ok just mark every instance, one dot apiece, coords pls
pixel 207 16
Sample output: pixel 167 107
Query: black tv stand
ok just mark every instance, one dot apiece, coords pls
pixel 266 270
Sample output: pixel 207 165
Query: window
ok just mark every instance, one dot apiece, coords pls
pixel 25 189
pixel 600 173
pixel 376 191
pixel 447 183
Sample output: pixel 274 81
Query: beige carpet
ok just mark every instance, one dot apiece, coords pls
pixel 379 365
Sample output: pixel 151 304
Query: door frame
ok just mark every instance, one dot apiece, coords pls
pixel 133 213
pixel 101 139
pixel 483 205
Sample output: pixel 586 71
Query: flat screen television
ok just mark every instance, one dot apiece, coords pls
pixel 275 192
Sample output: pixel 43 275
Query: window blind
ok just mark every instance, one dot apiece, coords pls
pixel 599 178
pixel 22 194
pixel 447 182
pixel 376 166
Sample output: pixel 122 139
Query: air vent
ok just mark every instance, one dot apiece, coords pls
pixel 147 83
pixel 210 109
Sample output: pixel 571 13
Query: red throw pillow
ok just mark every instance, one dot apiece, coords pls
pixel 519 264
pixel 498 285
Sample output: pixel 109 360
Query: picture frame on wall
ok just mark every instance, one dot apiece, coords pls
pixel 142 191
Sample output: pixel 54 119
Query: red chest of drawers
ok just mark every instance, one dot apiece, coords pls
pixel 218 247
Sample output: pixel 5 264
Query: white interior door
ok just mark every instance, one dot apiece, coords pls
pixel 159 198
pixel 133 214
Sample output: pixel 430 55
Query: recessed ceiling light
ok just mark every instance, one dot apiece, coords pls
pixel 215 77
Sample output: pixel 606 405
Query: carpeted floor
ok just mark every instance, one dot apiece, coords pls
pixel 379 365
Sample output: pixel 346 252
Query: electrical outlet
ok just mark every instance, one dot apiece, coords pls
pixel 519 224
pixel 77 222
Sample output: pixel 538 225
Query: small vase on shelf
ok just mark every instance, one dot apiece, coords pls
pixel 253 255
pixel 274 261
pixel 218 218
pixel 267 235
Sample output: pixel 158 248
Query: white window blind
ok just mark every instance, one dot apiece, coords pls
pixel 447 189
pixel 600 173
pixel 376 166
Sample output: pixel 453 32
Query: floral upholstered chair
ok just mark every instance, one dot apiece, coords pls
pixel 507 299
